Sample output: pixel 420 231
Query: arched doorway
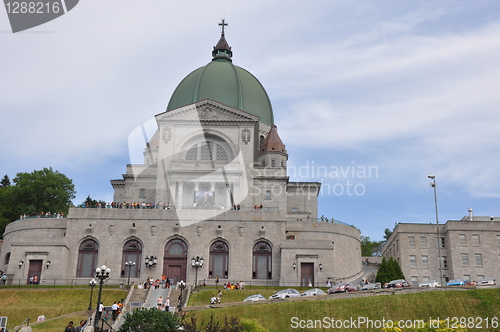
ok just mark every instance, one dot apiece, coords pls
pixel 175 260
pixel 262 263
pixel 219 260
pixel 87 258
pixel 132 252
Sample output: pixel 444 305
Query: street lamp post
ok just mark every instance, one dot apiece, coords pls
pixel 182 285
pixel 129 264
pixel 433 185
pixel 196 263
pixel 102 274
pixel 92 284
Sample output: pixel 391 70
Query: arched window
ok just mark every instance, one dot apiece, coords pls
pixel 7 259
pixel 262 264
pixel 176 248
pixel 87 259
pixel 207 151
pixel 132 252
pixel 219 260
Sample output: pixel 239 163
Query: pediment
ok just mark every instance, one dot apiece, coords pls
pixel 206 111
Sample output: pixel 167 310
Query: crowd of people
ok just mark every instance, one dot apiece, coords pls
pixel 43 215
pixel 325 219
pixel 126 205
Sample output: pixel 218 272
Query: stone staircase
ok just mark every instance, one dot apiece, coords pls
pixel 138 296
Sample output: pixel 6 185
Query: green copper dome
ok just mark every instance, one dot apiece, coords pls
pixel 226 83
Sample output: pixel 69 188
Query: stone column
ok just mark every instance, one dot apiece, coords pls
pixel 180 193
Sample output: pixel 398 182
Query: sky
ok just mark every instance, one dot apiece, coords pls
pixel 369 97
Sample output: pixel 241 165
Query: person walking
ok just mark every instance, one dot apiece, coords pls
pixel 159 302
pixel 114 309
pixel 167 305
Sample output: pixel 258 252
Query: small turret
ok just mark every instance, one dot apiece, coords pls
pixel 272 152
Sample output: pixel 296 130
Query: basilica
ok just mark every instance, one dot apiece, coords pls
pixel 211 183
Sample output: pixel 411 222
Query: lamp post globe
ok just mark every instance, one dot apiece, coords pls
pixel 92 284
pixel 102 274
pixel 129 264
pixel 196 263
pixel 182 285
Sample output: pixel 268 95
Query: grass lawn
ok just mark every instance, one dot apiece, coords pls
pixel 278 317
pixel 19 304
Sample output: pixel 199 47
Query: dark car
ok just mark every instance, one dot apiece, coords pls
pixel 398 283
pixel 343 287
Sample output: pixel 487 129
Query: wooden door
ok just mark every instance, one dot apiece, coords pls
pixel 306 274
pixel 35 269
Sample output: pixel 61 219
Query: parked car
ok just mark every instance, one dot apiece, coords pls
pixel 343 287
pixel 256 297
pixel 486 282
pixel 370 287
pixel 285 293
pixel 456 282
pixel 398 283
pixel 430 284
pixel 313 291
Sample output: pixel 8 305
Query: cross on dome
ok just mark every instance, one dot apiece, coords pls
pixel 223 24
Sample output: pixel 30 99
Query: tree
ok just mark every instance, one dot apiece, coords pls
pixel 371 248
pixel 7 213
pixel 149 320
pixel 387 234
pixel 389 270
pixel 90 202
pixel 43 191
pixel 5 181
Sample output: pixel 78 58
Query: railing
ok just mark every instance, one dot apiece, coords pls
pixel 42 216
pixel 50 283
pixel 22 324
pixel 325 220
pixel 161 207
pixel 260 284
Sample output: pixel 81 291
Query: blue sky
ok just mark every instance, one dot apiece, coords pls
pixel 407 88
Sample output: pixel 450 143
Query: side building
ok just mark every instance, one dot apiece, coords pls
pixel 467 249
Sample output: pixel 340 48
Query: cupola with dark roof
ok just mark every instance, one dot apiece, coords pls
pixel 222 51
pixel 272 152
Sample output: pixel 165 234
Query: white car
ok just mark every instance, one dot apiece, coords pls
pixel 285 293
pixel 486 282
pixel 313 291
pixel 370 287
pixel 256 297
pixel 430 284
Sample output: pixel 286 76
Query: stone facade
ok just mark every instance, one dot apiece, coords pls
pixel 469 249
pixel 335 246
pixel 216 175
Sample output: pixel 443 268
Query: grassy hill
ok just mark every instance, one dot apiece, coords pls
pixel 22 303
pixel 475 305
